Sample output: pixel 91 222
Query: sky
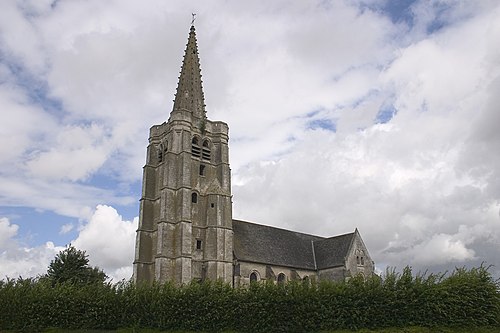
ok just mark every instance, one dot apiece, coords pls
pixel 371 114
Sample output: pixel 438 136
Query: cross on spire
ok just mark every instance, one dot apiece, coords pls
pixel 194 18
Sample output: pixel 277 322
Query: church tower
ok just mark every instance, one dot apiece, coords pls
pixel 185 221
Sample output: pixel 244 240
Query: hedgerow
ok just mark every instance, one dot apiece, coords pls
pixel 464 298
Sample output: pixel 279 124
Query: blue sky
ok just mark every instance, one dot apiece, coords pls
pixel 372 114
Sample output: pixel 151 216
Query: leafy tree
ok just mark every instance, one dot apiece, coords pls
pixel 72 265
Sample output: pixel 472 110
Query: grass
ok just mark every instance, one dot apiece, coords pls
pixel 383 330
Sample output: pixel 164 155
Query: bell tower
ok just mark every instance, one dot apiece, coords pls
pixel 185 220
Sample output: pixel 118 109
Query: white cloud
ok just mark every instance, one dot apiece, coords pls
pixel 107 239
pixel 439 249
pixel 84 80
pixel 77 153
pixel 20 37
pixel 419 188
pixel 64 198
pixel 7 231
pixel 17 259
pixel 66 228
pixel 109 242
pixel 23 125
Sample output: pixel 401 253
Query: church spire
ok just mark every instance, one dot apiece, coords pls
pixel 189 96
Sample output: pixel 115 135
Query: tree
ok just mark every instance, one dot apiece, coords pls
pixel 72 265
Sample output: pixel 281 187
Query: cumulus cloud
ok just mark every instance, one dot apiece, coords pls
pixel 18 259
pixel 7 231
pixel 109 242
pixel 107 239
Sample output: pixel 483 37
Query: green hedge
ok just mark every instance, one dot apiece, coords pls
pixel 469 298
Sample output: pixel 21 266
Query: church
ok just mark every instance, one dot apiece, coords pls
pixel 186 229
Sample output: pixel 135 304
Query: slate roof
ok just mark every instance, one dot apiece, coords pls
pixel 331 252
pixel 279 247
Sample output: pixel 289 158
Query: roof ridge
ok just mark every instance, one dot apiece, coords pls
pixel 282 229
pixel 338 236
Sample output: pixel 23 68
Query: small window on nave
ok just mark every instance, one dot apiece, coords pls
pixel 306 281
pixel 281 278
pixel 254 277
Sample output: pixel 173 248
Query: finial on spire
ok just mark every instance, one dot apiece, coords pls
pixel 194 18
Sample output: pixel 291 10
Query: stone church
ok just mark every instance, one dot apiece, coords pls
pixel 186 229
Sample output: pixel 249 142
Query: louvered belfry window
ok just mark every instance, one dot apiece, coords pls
pixel 195 148
pixel 205 152
pixel 200 151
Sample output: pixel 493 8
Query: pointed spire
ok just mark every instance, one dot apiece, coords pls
pixel 189 95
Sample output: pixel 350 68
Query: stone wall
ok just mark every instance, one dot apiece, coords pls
pixel 243 270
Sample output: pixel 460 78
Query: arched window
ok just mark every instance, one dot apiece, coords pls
pixel 194 197
pixel 162 149
pixel 195 147
pixel 362 261
pixel 205 152
pixel 254 277
pixel 202 170
pixel 281 278
pixel 357 260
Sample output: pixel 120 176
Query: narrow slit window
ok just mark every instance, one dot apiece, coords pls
pixel 160 155
pixel 202 170
pixel 198 244
pixel 194 197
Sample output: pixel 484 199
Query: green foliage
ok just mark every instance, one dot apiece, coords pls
pixel 72 266
pixel 464 298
